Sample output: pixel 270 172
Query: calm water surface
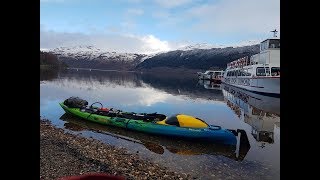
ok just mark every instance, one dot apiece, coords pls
pixel 225 106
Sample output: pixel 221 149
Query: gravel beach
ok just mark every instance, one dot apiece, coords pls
pixel 64 154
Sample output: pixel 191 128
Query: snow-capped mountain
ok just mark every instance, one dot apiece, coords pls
pixel 199 46
pixel 93 53
pixel 197 56
pixel 92 57
pixel 213 46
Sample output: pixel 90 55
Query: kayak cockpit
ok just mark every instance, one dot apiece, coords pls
pixel 182 120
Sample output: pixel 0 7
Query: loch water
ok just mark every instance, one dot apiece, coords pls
pixel 223 105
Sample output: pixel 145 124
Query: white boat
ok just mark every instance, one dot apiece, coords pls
pixel 209 84
pixel 211 75
pixel 259 73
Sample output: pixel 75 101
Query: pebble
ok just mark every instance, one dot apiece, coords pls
pixel 64 154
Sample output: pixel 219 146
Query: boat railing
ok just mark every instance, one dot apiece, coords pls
pixel 241 62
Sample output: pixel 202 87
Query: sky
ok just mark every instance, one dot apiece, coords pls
pixel 150 26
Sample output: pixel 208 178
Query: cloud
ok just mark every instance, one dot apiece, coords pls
pixel 172 3
pixel 161 14
pixel 128 24
pixel 136 12
pixel 167 19
pixel 155 44
pixel 110 42
pixel 237 16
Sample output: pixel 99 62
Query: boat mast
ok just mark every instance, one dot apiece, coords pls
pixel 274 32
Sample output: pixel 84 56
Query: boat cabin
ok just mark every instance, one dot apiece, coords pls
pixel 269 52
pixel 266 63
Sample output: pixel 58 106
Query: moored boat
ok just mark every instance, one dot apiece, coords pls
pixel 259 73
pixel 180 125
pixel 161 144
pixel 214 76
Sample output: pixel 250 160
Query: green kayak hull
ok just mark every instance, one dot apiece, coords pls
pixel 210 133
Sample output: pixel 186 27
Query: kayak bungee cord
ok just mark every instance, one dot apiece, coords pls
pixel 93 110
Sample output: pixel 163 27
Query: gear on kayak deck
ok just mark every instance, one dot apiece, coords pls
pixel 76 102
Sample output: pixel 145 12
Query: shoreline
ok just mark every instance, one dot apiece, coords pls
pixel 64 154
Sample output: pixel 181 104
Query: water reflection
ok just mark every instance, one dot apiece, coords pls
pixel 158 144
pixel 48 73
pixel 169 95
pixel 181 85
pixel 262 113
pixel 210 84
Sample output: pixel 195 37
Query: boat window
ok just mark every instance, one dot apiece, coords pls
pixel 267 71
pixel 274 43
pixel 275 71
pixel 261 71
pixel 242 73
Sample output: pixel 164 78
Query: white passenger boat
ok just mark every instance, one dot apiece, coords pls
pixel 259 73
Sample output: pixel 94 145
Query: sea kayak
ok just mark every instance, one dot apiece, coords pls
pixel 180 125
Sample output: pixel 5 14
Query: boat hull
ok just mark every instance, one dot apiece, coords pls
pixel 217 135
pixel 267 86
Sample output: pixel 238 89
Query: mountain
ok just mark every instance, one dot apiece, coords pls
pixel 192 57
pixel 200 46
pixel 92 57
